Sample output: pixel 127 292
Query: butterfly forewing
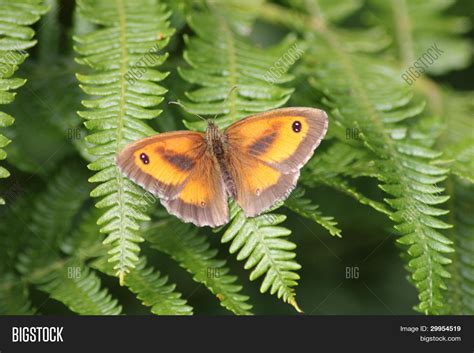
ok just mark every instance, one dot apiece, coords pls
pixel 161 164
pixel 177 167
pixel 267 151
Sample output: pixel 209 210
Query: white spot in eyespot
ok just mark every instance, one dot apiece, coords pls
pixel 257 192
pixel 203 204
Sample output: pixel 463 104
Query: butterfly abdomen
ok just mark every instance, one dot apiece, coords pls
pixel 216 142
pixel 227 177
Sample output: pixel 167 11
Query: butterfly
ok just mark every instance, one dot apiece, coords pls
pixel 256 161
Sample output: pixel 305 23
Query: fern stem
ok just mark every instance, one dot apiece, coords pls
pixel 232 65
pixel 119 176
pixel 403 31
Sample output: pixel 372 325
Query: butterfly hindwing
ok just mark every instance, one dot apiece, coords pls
pixel 259 185
pixel 203 199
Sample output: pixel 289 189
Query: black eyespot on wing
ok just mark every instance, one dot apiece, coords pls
pixel 296 126
pixel 144 158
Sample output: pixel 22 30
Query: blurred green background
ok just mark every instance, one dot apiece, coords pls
pixel 46 130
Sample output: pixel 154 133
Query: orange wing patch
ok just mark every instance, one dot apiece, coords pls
pixel 257 176
pixel 202 200
pixel 197 192
pixel 162 163
pixel 259 185
pixel 168 160
pixel 283 138
pixel 273 139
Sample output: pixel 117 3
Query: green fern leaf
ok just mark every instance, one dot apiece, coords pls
pixel 123 56
pixel 302 206
pixel 261 242
pixel 420 25
pixel 151 288
pixel 344 187
pixel 84 242
pixel 77 287
pixel 16 37
pixel 192 251
pixel 238 14
pixel 67 280
pixel 237 79
pixel 457 141
pixel 461 285
pixel 54 212
pixel 342 159
pixel 14 296
pixel 233 74
pixel 370 96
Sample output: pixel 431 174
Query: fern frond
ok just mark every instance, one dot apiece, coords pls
pixel 238 14
pixel 123 56
pixel 369 95
pixel 151 288
pixel 342 159
pixel 52 217
pixel 76 286
pixel 418 25
pixel 461 285
pixel 67 280
pixel 14 296
pixel 404 168
pixel 236 79
pixel 344 187
pixel 329 168
pixel 191 250
pixel 304 207
pixel 14 226
pixel 433 27
pixel 261 242
pixel 148 284
pixel 221 60
pixel 16 37
pixel 457 141
pixel 378 104
pixel 84 241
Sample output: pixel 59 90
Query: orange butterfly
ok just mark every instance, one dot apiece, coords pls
pixel 256 161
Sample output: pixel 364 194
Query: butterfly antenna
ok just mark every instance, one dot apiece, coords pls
pixel 227 98
pixel 182 106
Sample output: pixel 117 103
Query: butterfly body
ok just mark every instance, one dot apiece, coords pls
pixel 217 145
pixel 256 161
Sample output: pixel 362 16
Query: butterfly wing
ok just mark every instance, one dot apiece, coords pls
pixel 203 199
pixel 267 151
pixel 177 168
pixel 258 185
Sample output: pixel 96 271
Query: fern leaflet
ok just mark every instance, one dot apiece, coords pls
pixel 151 288
pixel 16 37
pixel 260 241
pixel 123 56
pixel 67 280
pixel 193 253
pixel 236 80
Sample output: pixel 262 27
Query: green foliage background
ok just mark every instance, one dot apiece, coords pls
pixel 381 222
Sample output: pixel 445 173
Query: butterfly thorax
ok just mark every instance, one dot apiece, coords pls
pixel 217 146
